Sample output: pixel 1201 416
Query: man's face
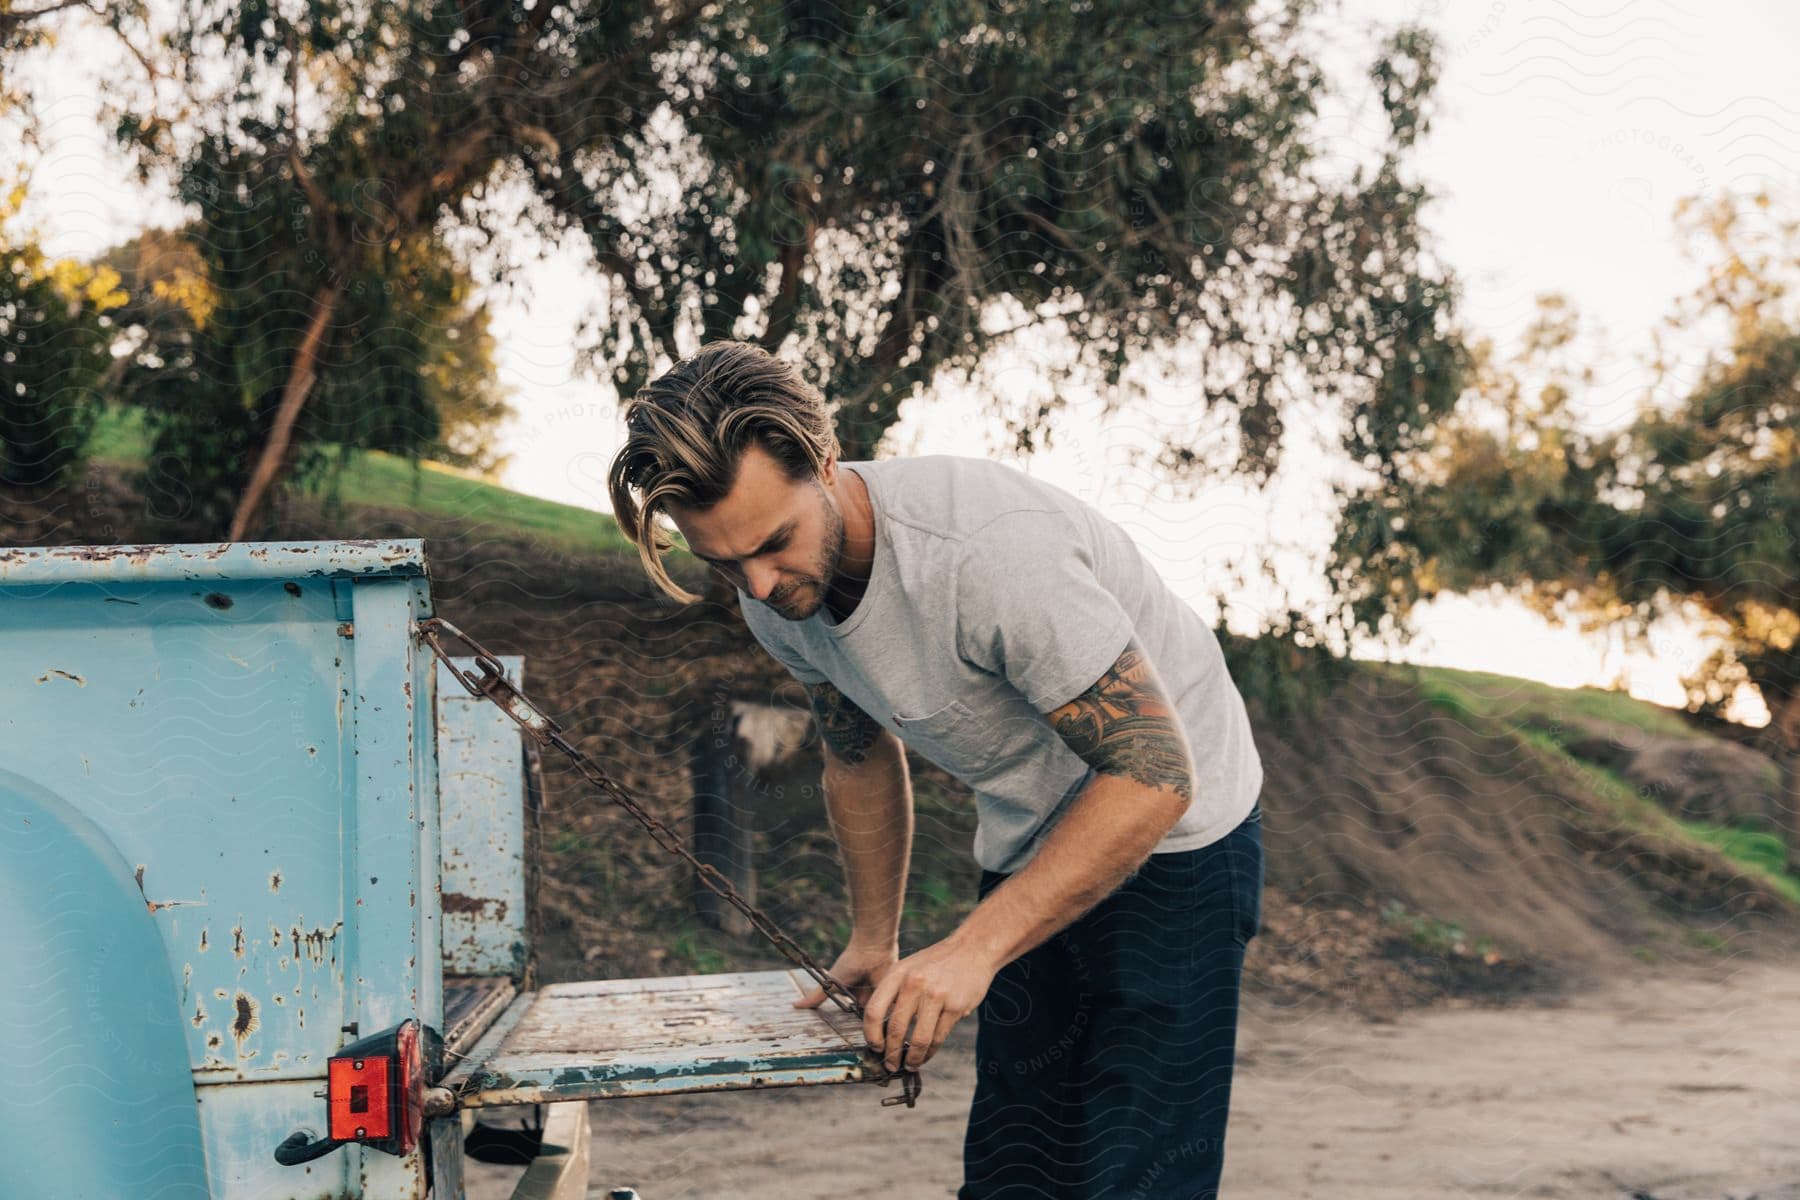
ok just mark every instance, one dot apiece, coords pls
pixel 778 540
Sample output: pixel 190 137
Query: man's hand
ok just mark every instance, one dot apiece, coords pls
pixel 858 968
pixel 921 998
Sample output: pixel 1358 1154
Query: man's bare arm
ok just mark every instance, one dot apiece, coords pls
pixel 1125 727
pixel 868 796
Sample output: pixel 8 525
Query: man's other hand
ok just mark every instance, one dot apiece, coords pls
pixel 921 998
pixel 858 968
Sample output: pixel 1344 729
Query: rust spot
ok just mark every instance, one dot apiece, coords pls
pixel 157 905
pixel 279 998
pixel 275 936
pixel 245 1023
pixel 203 939
pixel 457 902
pixel 218 600
pixel 237 941
pixel 59 673
pixel 199 1015
pixel 214 1041
pixel 291 588
pixel 313 944
pixel 275 881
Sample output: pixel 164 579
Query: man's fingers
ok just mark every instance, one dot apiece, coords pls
pixel 811 999
pixel 917 1044
pixel 946 1021
pixel 876 1010
pixel 899 1018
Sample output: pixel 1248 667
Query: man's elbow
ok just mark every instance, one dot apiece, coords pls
pixel 1163 796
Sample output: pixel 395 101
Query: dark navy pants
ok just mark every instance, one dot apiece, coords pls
pixel 1104 1055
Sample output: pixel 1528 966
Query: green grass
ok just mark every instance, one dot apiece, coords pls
pixel 1480 694
pixel 1532 711
pixel 1758 852
pixel 373 478
pixel 689 948
pixel 1434 936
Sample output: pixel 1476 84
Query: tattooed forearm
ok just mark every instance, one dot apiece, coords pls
pixel 848 731
pixel 1125 725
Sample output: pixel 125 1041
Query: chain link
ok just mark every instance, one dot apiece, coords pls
pixel 495 686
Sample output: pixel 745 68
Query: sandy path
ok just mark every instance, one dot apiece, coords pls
pixel 1675 1085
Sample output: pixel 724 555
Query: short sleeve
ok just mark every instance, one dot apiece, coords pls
pixel 1031 607
pixel 798 667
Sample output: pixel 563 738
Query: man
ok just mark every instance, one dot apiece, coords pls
pixel 1008 632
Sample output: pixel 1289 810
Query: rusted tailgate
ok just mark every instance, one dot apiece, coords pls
pixel 687 1033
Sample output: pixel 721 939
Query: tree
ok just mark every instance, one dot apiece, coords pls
pixel 866 187
pixel 53 312
pixel 1696 503
pixel 54 334
pixel 412 372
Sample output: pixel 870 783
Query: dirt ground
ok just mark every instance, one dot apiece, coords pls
pixel 1668 1083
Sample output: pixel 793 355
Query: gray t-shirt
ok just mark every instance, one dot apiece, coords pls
pixel 994 599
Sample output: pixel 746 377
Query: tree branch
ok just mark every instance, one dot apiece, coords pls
pixel 17 17
pixel 293 396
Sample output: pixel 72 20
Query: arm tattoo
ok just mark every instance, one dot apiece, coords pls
pixel 849 732
pixel 1125 725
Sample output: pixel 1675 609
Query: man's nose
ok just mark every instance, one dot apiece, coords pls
pixel 761 580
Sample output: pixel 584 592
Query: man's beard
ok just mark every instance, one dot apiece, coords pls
pixel 825 572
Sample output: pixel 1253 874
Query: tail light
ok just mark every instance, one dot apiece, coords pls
pixel 375 1094
pixel 375 1090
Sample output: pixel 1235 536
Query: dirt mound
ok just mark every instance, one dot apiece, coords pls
pixel 1716 780
pixel 1384 799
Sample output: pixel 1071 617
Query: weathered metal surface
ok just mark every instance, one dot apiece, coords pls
pixel 391 850
pixel 481 784
pixel 471 1006
pixel 187 562
pixel 241 1123
pixel 626 1037
pixel 269 782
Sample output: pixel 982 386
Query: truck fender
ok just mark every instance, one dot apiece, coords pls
pixel 100 1094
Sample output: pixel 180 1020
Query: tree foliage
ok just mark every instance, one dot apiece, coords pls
pixel 883 191
pixel 54 336
pixel 54 318
pixel 1695 502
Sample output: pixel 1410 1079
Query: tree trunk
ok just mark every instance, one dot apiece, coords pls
pixel 269 465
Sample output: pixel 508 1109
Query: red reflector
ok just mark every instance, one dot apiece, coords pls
pixel 358 1089
pixel 411 1085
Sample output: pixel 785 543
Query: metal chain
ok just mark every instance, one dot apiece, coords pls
pixel 495 686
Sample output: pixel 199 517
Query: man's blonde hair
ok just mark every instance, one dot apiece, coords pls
pixel 687 430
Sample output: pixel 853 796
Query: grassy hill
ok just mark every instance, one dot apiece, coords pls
pixel 1545 716
pixel 372 479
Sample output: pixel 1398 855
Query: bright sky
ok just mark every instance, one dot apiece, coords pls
pixel 1565 135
